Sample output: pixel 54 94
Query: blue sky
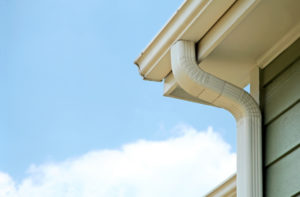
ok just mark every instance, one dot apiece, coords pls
pixel 68 82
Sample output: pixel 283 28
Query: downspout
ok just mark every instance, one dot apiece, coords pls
pixel 220 93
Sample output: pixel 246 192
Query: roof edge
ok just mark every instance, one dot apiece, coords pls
pixel 178 26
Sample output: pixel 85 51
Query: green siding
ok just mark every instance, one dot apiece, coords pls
pixel 282 135
pixel 281 125
pixel 280 63
pixel 283 92
pixel 284 176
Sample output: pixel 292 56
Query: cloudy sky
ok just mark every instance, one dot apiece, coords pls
pixel 76 118
pixel 187 165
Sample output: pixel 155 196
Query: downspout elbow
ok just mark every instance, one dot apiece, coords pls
pixel 220 93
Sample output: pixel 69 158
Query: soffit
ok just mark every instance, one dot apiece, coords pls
pixel 234 37
pixel 266 31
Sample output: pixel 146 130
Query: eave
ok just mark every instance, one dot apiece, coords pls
pixel 233 37
pixel 191 21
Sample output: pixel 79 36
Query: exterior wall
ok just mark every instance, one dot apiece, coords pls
pixel 280 93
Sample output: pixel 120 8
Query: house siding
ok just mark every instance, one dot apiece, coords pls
pixel 280 95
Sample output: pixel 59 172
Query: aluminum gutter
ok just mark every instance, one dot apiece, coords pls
pixel 207 22
pixel 243 107
pixel 191 21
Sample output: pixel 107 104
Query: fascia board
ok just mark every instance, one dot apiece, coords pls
pixel 191 21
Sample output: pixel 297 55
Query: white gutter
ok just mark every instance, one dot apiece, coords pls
pixel 191 21
pixel 222 94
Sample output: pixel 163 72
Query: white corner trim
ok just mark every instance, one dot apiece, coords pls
pixel 255 84
pixel 220 93
pixel 279 47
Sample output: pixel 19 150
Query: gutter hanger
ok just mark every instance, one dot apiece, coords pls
pixel 220 93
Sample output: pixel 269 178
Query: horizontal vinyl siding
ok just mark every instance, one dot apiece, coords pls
pixel 283 92
pixel 283 177
pixel 283 135
pixel 281 125
pixel 286 58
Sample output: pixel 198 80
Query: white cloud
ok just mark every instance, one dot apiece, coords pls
pixel 190 164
